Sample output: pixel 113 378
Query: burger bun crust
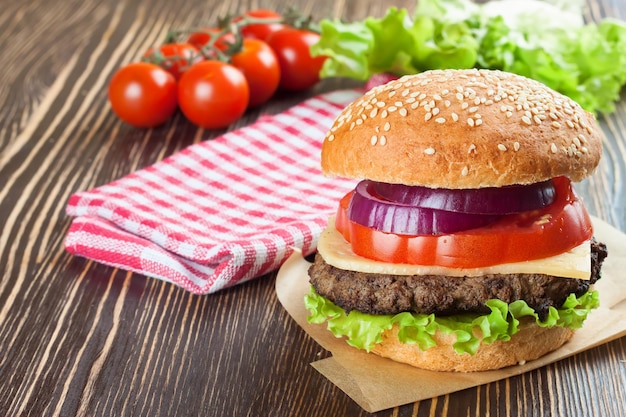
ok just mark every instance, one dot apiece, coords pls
pixel 462 129
pixel 531 342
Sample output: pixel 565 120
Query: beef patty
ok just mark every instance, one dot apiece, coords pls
pixel 443 295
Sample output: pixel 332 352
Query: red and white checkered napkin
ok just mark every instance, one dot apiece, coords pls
pixel 220 212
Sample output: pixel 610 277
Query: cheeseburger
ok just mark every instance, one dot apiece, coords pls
pixel 463 246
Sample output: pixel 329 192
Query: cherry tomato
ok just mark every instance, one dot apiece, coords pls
pixel 259 65
pixel 537 234
pixel 174 57
pixel 261 30
pixel 298 69
pixel 213 94
pixel 200 38
pixel 143 94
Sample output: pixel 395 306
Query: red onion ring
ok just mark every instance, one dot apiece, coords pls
pixel 492 200
pixel 371 210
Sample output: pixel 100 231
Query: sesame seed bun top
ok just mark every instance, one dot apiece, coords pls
pixel 462 129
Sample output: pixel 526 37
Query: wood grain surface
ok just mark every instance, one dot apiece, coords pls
pixel 81 339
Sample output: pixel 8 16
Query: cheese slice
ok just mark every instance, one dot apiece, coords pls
pixel 337 252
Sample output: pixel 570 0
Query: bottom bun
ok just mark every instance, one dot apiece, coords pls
pixel 530 343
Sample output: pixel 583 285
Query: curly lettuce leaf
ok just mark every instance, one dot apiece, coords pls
pixel 584 62
pixel 395 43
pixel 363 331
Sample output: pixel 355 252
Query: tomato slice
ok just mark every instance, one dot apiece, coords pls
pixel 536 234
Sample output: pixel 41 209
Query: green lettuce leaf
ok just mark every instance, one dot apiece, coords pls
pixel 585 62
pixel 363 331
pixel 394 43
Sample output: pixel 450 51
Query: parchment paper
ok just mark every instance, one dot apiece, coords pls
pixel 377 383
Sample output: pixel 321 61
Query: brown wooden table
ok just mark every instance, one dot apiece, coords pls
pixel 80 338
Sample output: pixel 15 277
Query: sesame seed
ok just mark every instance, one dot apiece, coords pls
pixel 526 120
pixel 392 93
pixel 381 104
pixel 427 116
pixel 435 111
pixel 537 120
pixel 447 103
pixel 576 141
pixel 405 92
pixel 391 109
pixel 415 105
pixel 352 125
pixel 465 105
pixel 516 146
pixel 479 122
pixel 422 96
pixel 459 96
pixel 470 122
pixel 440 120
pixel 501 147
pixel 465 171
pixel 403 112
pixel 331 138
pixel 399 104
pixel 374 139
pixel 386 127
pixel 509 114
pixel 581 137
pixel 383 140
pixel 384 114
pixel 570 123
pixel 429 151
pixel 473 109
pixel 556 125
pixel 455 117
pixel 374 112
pixel 584 149
pixel 437 97
pixel 410 100
pixel 472 148
pixel 553 148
